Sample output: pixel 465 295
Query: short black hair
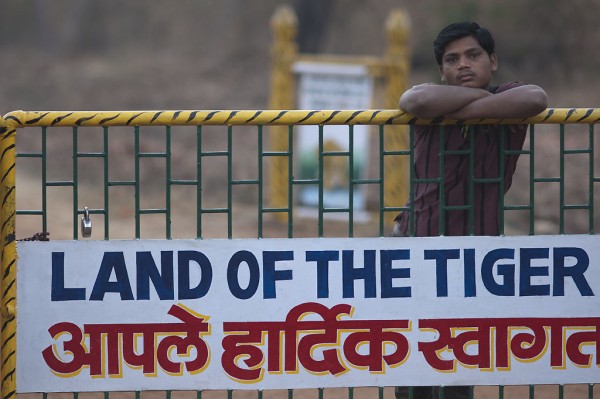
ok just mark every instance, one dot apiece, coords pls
pixel 458 31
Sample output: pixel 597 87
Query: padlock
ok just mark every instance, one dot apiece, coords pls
pixel 86 224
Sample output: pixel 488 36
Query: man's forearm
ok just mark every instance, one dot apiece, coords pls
pixel 433 100
pixel 519 102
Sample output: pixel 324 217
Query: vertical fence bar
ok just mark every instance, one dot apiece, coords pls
pixel 591 180
pixel 561 183
pixel 351 181
pixel 75 186
pixel 531 391
pixel 168 184
pixel 44 184
pixel 561 391
pixel 106 180
pixel 8 260
pixel 229 182
pixel 321 186
pixel 531 179
pixel 136 133
pixel 382 179
pixel 290 177
pixel 260 181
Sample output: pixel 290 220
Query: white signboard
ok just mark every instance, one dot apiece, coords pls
pixel 333 87
pixel 305 313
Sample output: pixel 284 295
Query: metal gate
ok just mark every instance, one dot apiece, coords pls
pixel 207 174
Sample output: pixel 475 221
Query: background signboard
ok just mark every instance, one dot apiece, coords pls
pixel 323 86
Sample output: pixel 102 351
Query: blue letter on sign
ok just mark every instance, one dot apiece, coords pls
pixel 322 258
pixel 575 272
pixel 527 271
pixel 184 259
pixel 233 274
pixel 441 257
pixel 388 273
pixel 59 292
pixel 146 270
pixel 507 271
pixel 270 274
pixel 112 261
pixel 351 273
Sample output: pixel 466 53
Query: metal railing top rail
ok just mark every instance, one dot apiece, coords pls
pixel 19 119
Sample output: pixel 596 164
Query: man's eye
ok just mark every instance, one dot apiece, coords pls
pixel 451 60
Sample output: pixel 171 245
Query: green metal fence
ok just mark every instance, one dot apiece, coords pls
pixel 206 174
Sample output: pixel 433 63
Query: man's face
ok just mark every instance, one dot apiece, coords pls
pixel 466 63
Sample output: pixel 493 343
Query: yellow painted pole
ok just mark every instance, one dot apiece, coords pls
pixel 276 117
pixel 8 269
pixel 284 51
pixel 396 168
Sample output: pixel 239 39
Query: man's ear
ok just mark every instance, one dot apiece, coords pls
pixel 442 76
pixel 494 60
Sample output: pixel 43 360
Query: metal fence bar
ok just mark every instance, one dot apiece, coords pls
pixel 106 180
pixel 592 179
pixel 290 168
pixel 561 181
pixel 320 183
pixel 532 179
pixel 136 133
pixel 75 185
pixel 382 176
pixel 19 119
pixel 260 157
pixel 168 182
pixel 351 182
pixel 229 183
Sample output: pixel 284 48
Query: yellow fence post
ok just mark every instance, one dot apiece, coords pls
pixel 397 56
pixel 8 269
pixel 284 50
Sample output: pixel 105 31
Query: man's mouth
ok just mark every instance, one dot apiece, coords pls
pixel 465 76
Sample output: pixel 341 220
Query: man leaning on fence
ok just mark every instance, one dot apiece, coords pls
pixel 467 60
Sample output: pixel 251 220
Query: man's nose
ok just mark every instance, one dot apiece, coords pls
pixel 463 62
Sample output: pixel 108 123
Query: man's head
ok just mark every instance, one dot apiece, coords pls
pixel 465 54
pixel 458 31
